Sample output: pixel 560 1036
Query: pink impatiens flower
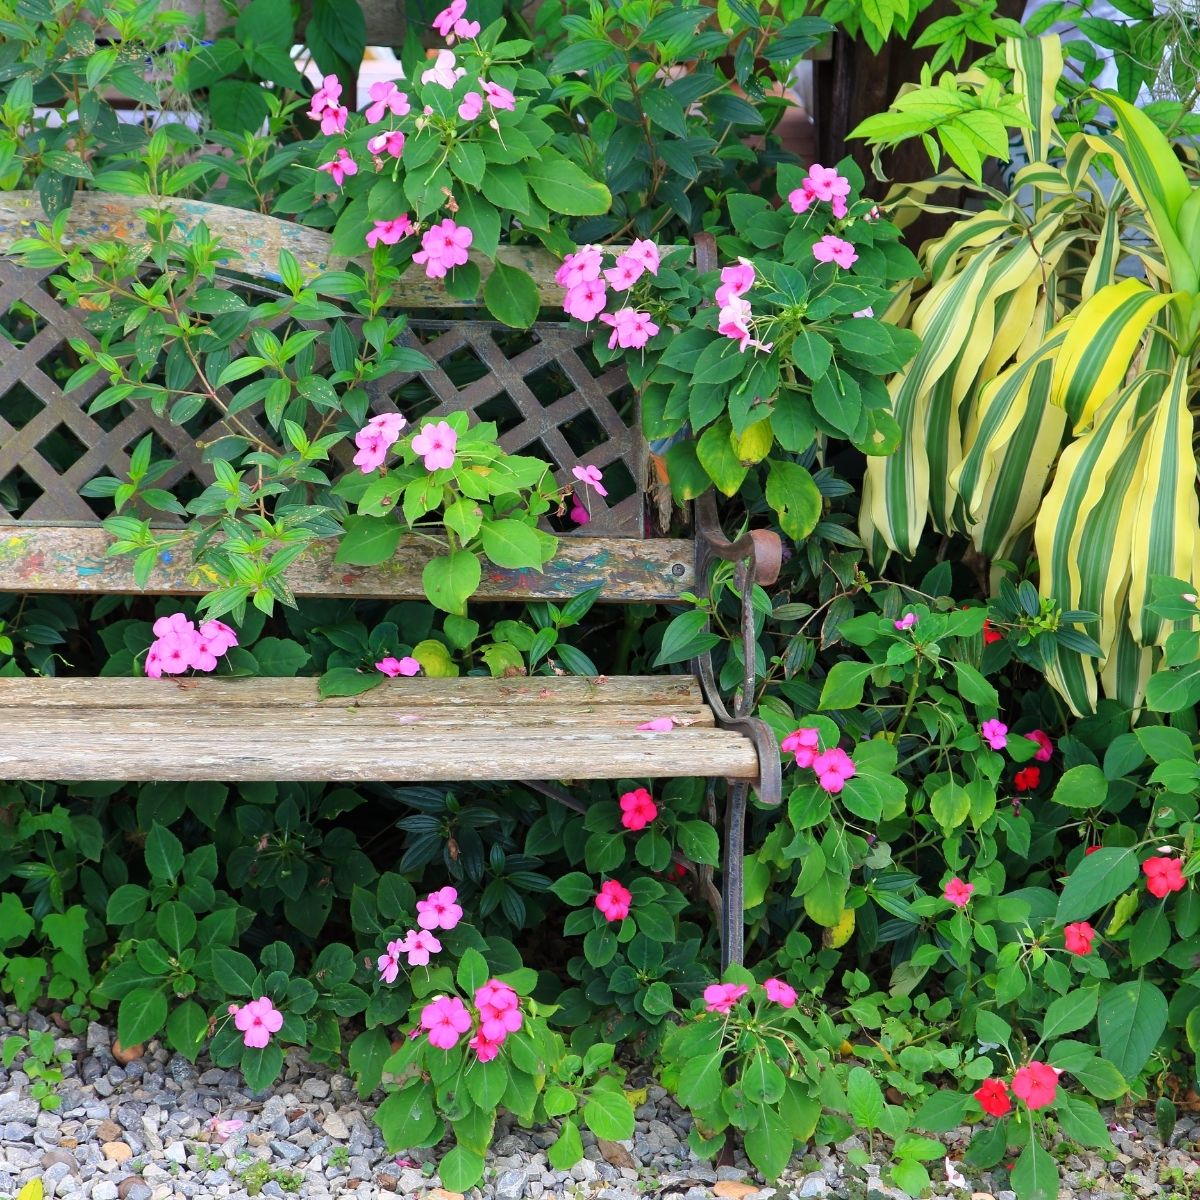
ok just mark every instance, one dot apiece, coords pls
pixel 444 22
pixel 443 72
pixel 957 892
pixel 780 992
pixel 658 725
pixel 333 119
pixel 625 274
pixel 995 733
pixel 631 329
pixel 391 143
pixel 614 901
pixel 439 910
pixel 578 513
pixel 821 183
pixel 498 97
pixel 1078 937
pixel 721 997
pixel 1036 1084
pixel 906 622
pixel 375 438
pixel 735 281
pixel 864 312
pixel 389 232
pixel 179 646
pixel 499 1011
pixel 734 321
pixel 445 1019
pixel 581 267
pixel 326 96
pixel 1163 876
pixel 1045 751
pixel 805 744
pixel 389 962
pixel 443 247
pixel 485 1050
pixel 586 300
pixel 436 445
pixel 471 106
pixel 257 1021
pixel 419 944
pixel 638 809
pixel 645 252
pixel 590 476
pixel 386 99
pixel 392 666
pixel 835 250
pixel 340 167
pixel 833 768
pixel 222 1130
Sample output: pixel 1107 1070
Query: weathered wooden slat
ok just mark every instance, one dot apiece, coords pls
pixel 183 747
pixel 659 694
pixel 71 558
pixel 256 239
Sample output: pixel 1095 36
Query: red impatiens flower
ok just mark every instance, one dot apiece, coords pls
pixel 1027 779
pixel 1036 1084
pixel 1163 875
pixel 1078 937
pixel 992 1095
pixel 991 635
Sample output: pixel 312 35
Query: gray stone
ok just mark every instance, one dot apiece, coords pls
pixel 511 1185
pixel 287 1150
pixel 60 1158
pixel 335 1127
pixel 318 1089
pixel 12 1108
pixel 176 1152
pixel 104 1190
pixel 732 1174
pixel 15 1131
pixel 813 1185
pixel 584 1171
pixel 54 1174
pixel 103 1087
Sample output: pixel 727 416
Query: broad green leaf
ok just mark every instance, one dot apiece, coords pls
pixel 511 296
pixel 1131 1019
pixel 1098 880
pixel 564 188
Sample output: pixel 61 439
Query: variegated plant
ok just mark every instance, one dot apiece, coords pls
pixel 1053 395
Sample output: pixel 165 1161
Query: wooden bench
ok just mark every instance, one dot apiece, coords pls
pixel 540 728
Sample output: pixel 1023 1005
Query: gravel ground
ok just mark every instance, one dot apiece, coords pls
pixel 143 1132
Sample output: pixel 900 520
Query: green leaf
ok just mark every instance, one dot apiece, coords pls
pixel 187 1027
pixel 451 579
pixel 762 1081
pixel 1070 1012
pixel 472 971
pixel 233 972
pixel 461 1169
pixel 865 1098
pixel 368 1052
pixel 237 106
pixel 1081 1120
pixel 261 1067
pixel 1035 1177
pixel 609 1115
pixel 685 637
pixel 843 687
pixel 511 296
pixel 347 681
pixel 719 459
pixel 511 543
pixel 575 888
pixel 1081 787
pixel 266 22
pixel 125 906
pixel 1098 879
pixel 564 188
pixel 407 1117
pixel 164 854
pixel 368 541
pixel 175 923
pixel 1131 1019
pixel 141 1015
pixel 769 1142
pixel 950 806
pixel 699 842
pixel 795 497
pixel 568 1150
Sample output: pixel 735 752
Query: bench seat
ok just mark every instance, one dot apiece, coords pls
pixel 539 728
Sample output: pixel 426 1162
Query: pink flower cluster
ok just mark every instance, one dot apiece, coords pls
pixel 439 910
pixel 257 1021
pixel 583 278
pixel 614 901
pixel 637 809
pixel 451 22
pixel 835 250
pixel 447 1018
pixel 734 316
pixel 958 893
pixel 392 666
pixel 995 733
pixel 821 183
pixel 374 440
pixel 390 232
pixel 444 246
pixel 590 477
pixel 721 997
pixel 179 646
pixel 326 109
pixel 386 98
pixel 833 767
pixel 437 445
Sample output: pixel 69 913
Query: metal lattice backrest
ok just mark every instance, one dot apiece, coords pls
pixel 541 386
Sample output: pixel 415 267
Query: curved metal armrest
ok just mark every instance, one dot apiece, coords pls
pixel 758 555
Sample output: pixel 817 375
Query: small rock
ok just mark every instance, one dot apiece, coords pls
pixel 442 1194
pixel 732 1189
pixel 335 1127
pixel 54 1174
pixel 127 1054
pixel 107 1131
pixel 814 1185
pixel 511 1186
pixel 17 1131
pixel 176 1152
pixel 117 1152
pixel 732 1174
pixel 615 1153
pixel 60 1158
pixel 105 1190
pixel 103 1087
pixel 318 1089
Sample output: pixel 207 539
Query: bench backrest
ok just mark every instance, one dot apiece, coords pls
pixel 541 386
